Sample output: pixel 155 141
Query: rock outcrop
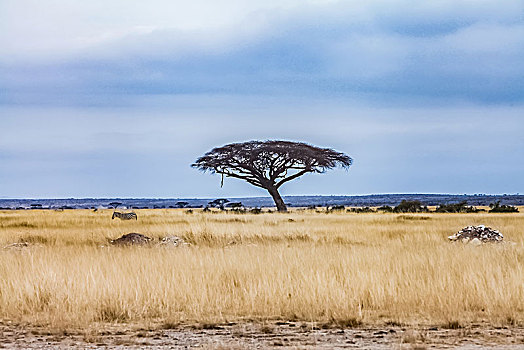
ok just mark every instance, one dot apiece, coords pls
pixel 132 239
pixel 477 234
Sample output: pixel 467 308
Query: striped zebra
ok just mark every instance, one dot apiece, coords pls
pixel 124 216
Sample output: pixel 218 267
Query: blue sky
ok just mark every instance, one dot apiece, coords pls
pixel 118 98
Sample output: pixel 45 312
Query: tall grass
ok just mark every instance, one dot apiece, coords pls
pixel 341 268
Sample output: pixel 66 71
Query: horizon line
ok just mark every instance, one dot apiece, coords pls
pixel 301 195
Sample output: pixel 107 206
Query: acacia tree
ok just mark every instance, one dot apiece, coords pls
pixel 270 164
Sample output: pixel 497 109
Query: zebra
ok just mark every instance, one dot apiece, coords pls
pixel 124 216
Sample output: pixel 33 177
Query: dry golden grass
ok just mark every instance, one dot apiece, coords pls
pixel 340 268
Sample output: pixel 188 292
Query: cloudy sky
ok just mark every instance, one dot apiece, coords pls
pixel 118 97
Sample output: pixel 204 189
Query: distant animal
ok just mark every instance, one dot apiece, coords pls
pixel 124 216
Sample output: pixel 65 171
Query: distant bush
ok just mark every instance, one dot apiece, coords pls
pixel 336 208
pixel 218 203
pixel 386 208
pixel 410 207
pixel 461 207
pixel 498 208
pixel 361 210
pixel 238 211
pixel 413 217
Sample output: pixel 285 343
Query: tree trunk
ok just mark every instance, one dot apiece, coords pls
pixel 281 206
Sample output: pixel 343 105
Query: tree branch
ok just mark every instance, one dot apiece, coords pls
pixel 252 180
pixel 291 177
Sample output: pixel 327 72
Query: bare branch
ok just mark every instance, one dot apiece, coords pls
pixel 249 179
pixel 292 177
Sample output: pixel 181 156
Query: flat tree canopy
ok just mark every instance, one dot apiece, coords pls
pixel 270 164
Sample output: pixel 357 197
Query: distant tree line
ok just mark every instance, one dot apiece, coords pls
pixel 405 206
pixel 416 206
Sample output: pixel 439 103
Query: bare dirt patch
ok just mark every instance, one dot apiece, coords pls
pixel 274 335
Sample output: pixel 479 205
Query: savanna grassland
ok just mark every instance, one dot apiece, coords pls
pixel 340 268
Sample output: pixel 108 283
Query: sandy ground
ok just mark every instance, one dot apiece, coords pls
pixel 276 335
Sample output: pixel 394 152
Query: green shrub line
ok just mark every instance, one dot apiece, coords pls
pixel 416 206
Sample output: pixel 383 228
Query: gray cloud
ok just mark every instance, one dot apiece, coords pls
pixel 400 54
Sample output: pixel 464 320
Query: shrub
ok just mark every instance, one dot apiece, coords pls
pixel 461 207
pixel 238 210
pixel 235 205
pixel 498 208
pixel 361 210
pixel 336 208
pixel 410 207
pixel 386 208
